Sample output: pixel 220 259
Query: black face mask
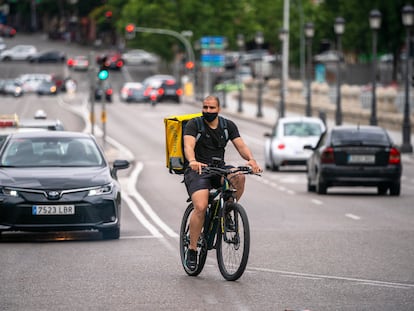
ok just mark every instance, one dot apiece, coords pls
pixel 210 116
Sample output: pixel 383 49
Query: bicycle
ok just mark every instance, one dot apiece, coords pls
pixel 226 228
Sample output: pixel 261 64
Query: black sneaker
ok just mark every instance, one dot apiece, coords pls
pixel 191 259
pixel 229 223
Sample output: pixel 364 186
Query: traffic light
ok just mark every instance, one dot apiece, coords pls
pixel 130 31
pixel 103 73
pixel 189 65
pixel 108 15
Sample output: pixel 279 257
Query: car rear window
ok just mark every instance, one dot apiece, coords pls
pixel 359 137
pixel 302 129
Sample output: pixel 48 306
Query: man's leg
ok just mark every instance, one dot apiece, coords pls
pixel 200 202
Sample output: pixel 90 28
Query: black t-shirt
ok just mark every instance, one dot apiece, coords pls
pixel 212 142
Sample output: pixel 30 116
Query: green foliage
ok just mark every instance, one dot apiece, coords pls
pixel 229 18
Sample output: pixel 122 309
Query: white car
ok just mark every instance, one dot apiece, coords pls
pixel 139 57
pixel 18 52
pixel 284 146
pixel 31 82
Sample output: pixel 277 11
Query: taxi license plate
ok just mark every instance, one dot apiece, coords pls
pixel 53 209
pixel 361 158
pixel 170 92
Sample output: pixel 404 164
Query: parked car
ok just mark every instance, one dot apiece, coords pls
pixel 52 56
pixel 79 62
pixel 284 145
pixel 355 156
pixel 18 52
pixel 166 87
pixel 133 92
pixel 139 57
pixel 111 59
pixel 75 188
pixel 7 31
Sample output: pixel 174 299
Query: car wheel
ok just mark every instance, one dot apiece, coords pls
pixel 275 167
pixel 321 187
pixel 111 234
pixel 382 189
pixel 395 189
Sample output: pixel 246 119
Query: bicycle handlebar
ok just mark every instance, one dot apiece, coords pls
pixel 226 171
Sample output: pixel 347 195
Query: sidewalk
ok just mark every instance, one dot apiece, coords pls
pixel 270 114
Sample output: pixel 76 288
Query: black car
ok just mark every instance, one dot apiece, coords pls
pixel 47 88
pixel 355 156
pixel 103 90
pixel 53 56
pixel 58 181
pixel 165 87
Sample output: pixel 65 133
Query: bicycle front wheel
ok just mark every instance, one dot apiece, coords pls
pixel 233 242
pixel 185 242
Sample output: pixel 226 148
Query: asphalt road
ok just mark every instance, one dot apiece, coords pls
pixel 348 250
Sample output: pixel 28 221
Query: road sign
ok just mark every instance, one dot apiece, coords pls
pixel 212 51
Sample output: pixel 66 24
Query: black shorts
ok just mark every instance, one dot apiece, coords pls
pixel 195 181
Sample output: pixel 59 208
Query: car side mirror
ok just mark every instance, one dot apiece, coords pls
pixel 119 165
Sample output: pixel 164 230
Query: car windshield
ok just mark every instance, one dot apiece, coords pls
pixel 51 152
pixel 359 137
pixel 302 129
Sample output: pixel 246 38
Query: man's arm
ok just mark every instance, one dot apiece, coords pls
pixel 246 154
pixel 189 145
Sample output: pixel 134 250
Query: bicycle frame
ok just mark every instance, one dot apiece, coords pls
pixel 214 214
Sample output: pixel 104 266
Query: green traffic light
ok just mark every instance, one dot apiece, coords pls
pixel 103 74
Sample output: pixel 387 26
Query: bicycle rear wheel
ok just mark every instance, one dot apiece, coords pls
pixel 233 242
pixel 185 242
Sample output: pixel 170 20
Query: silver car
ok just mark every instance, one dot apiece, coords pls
pixel 284 146
pixel 18 52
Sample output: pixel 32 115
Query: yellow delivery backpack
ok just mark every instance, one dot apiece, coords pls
pixel 174 144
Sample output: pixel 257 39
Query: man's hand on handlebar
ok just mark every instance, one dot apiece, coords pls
pixel 197 166
pixel 255 167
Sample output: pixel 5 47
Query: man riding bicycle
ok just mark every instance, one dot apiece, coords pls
pixel 199 153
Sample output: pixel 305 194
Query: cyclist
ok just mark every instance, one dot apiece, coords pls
pixel 199 153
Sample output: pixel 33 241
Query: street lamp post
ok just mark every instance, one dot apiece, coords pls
pixel 408 21
pixel 259 41
pixel 339 28
pixel 375 24
pixel 282 37
pixel 240 44
pixel 309 33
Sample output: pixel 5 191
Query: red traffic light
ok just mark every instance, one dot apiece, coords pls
pixel 130 28
pixel 108 14
pixel 189 65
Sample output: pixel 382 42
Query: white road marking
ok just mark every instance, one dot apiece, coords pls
pixel 141 218
pixel 352 216
pixel 317 202
pixel 131 190
pixel 334 277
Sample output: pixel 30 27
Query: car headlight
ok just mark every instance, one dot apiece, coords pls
pixel 106 189
pixel 9 192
